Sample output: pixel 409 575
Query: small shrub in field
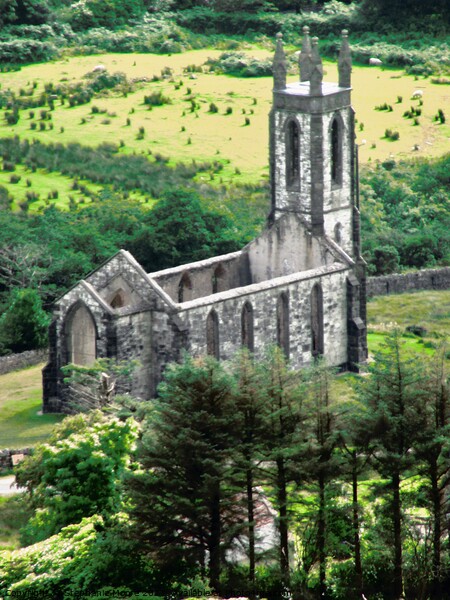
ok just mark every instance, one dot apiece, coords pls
pixel 128 122
pixel 440 116
pixel 121 144
pixel 361 126
pixel 383 106
pixel 32 196
pixel 213 108
pixel 392 135
pixel 31 114
pixel 33 125
pixel 8 166
pixel 255 101
pixel 50 125
pixel 188 91
pixel 416 121
pixel 42 126
pixel 183 128
pixel 95 110
pixel 43 115
pixel 141 133
pixel 61 130
pixel 157 99
pixel 189 141
pixel 399 99
pixel 237 171
pixel 28 182
pixel 14 178
pixel 83 121
pixel 12 117
pixel 106 122
pixel 228 110
pixel 247 121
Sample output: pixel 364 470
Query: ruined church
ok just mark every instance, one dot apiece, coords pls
pixel 300 284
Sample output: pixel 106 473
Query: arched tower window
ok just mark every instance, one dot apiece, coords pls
pixel 316 321
pixel 219 282
pixel 336 152
pixel 212 334
pixel 81 334
pixel 185 288
pixel 247 326
pixel 338 233
pixel 292 155
pixel 118 300
pixel 283 323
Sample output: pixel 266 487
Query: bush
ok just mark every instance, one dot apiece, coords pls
pixel 23 326
pixel 157 99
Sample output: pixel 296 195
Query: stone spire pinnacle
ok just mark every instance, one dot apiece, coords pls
pixel 316 78
pixel 279 66
pixel 345 61
pixel 305 59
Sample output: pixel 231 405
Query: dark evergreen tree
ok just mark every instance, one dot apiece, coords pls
pixel 433 450
pixel 184 504
pixel 395 397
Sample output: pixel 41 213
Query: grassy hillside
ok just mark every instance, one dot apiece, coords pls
pixel 187 129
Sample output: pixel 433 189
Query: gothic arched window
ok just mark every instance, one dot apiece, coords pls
pixel 185 288
pixel 247 326
pixel 336 152
pixel 316 321
pixel 212 334
pixel 292 155
pixel 81 334
pixel 283 323
pixel 219 283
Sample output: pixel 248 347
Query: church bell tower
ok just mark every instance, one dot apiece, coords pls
pixel 312 146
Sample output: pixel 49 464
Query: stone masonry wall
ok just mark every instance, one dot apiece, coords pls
pixel 14 362
pixel 263 298
pixel 426 279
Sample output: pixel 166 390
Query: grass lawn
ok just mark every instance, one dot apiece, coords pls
pixel 174 131
pixel 21 422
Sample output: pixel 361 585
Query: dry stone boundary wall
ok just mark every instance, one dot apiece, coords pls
pixel 15 362
pixel 426 279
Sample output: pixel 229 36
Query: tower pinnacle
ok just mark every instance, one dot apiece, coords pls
pixel 345 61
pixel 305 59
pixel 279 66
pixel 316 69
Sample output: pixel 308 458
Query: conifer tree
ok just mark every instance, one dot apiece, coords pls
pixel 183 496
pixel 433 450
pixel 396 400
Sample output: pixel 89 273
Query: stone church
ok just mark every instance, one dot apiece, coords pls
pixel 300 284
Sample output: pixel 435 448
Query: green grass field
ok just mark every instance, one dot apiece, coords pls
pixel 174 131
pixel 21 421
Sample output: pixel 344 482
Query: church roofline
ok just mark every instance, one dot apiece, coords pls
pixel 263 285
pixel 199 264
pixel 88 287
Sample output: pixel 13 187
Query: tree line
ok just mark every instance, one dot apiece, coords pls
pixel 358 481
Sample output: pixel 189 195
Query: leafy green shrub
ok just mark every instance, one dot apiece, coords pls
pixel 241 65
pixel 392 135
pixel 213 108
pixel 14 178
pixel 23 326
pixel 98 13
pixel 157 99
pixel 23 51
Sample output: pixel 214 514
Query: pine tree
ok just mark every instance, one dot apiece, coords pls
pixel 396 400
pixel 183 496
